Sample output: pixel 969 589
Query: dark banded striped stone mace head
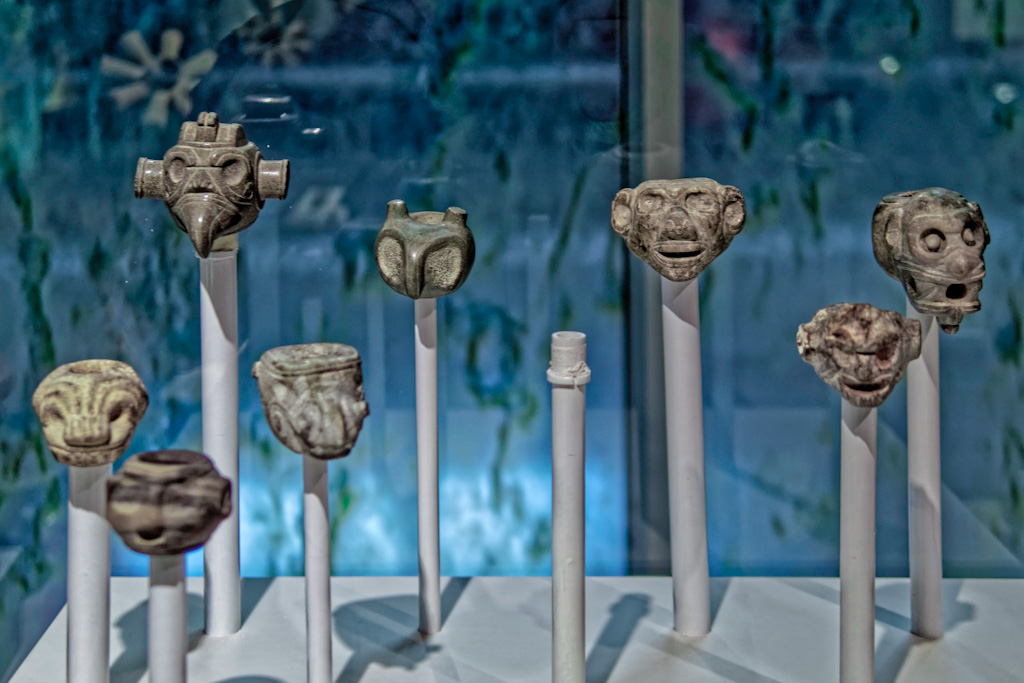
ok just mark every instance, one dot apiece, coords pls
pixel 313 397
pixel 424 255
pixel 89 410
pixel 167 502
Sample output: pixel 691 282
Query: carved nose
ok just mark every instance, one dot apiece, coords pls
pixel 960 266
pixel 87 431
pixel 678 228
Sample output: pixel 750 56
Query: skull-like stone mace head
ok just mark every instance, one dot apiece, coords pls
pixel 933 241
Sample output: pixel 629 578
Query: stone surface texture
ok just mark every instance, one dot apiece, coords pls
pixel 214 181
pixel 678 227
pixel 89 410
pixel 313 397
pixel 167 502
pixel 859 350
pixel 424 255
pixel 933 241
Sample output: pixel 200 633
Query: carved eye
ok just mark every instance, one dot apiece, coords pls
pixel 702 202
pixel 932 240
pixel 651 202
pixel 176 169
pixel 968 236
pixel 234 171
pixel 52 412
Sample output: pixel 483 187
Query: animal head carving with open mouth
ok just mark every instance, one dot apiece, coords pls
pixel 678 227
pixel 859 350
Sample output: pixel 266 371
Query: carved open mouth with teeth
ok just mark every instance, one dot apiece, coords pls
pixel 865 387
pixel 679 250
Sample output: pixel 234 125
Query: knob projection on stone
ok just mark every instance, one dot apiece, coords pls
pixel 859 350
pixel 313 397
pixel 933 241
pixel 167 502
pixel 89 410
pixel 424 255
pixel 214 181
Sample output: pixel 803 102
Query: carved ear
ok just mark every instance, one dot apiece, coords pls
pixel 979 219
pixel 734 209
pixel 622 210
pixel 885 231
pixel 913 339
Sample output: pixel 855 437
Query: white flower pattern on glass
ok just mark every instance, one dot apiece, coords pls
pixel 164 78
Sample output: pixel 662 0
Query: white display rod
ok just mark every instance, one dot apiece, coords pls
pixel 684 411
pixel 318 570
pixel 857 545
pixel 88 575
pixel 426 466
pixel 925 482
pixel 568 375
pixel 168 635
pixel 218 318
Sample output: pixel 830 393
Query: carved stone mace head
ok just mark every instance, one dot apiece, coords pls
pixel 214 181
pixel 424 255
pixel 933 241
pixel 312 397
pixel 678 227
pixel 859 350
pixel 89 410
pixel 167 502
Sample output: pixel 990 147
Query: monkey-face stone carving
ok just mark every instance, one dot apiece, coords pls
pixel 214 181
pixel 859 350
pixel 167 502
pixel 424 255
pixel 312 397
pixel 678 227
pixel 89 410
pixel 933 241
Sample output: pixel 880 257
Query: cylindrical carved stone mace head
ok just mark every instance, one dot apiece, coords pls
pixel 214 181
pixel 933 241
pixel 167 502
pixel 89 410
pixel 859 350
pixel 313 397
pixel 424 255
pixel 678 227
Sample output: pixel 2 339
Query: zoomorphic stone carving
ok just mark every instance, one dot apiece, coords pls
pixel 678 227
pixel 859 350
pixel 167 502
pixel 424 255
pixel 214 181
pixel 313 397
pixel 89 410
pixel 933 241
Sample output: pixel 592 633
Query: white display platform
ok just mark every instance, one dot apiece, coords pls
pixel 498 630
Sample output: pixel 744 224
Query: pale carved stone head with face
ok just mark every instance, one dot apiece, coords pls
pixel 678 227
pixel 424 255
pixel 89 410
pixel 933 241
pixel 312 397
pixel 214 181
pixel 167 502
pixel 859 350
